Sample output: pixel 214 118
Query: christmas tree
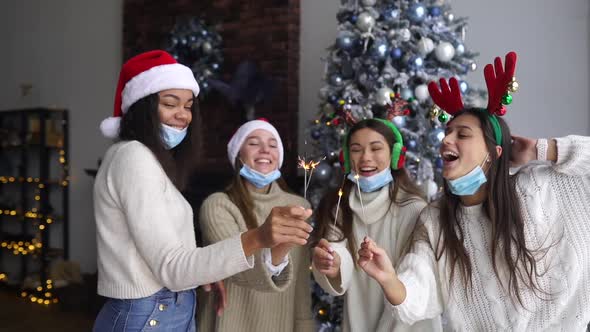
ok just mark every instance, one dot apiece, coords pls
pixel 384 55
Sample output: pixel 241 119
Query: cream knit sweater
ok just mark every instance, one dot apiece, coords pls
pixel 256 301
pixel 145 232
pixel 390 226
pixel 555 205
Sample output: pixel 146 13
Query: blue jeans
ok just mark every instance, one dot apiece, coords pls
pixel 162 311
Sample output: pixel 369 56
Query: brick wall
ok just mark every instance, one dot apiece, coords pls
pixel 264 31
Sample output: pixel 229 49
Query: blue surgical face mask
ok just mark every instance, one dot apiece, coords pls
pixel 469 183
pixel 258 179
pixel 373 182
pixel 172 136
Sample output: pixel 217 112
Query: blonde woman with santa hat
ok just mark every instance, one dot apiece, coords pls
pixel 148 261
pixel 275 294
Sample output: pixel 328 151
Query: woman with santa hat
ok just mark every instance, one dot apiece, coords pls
pixel 148 261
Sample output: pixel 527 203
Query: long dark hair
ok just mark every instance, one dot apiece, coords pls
pixel 502 207
pixel 239 194
pixel 328 203
pixel 142 123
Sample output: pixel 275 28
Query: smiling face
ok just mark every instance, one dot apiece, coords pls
pixel 175 107
pixel 369 152
pixel 463 147
pixel 260 151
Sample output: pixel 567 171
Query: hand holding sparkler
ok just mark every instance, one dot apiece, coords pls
pixel 284 225
pixel 326 260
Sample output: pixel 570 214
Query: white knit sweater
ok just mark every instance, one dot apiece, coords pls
pixel 391 227
pixel 145 231
pixel 555 205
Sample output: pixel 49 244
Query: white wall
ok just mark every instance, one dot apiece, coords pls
pixel 551 38
pixel 71 51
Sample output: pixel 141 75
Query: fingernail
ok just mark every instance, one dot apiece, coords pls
pixel 330 249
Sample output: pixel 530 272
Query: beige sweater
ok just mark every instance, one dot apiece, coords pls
pixel 391 226
pixel 256 301
pixel 144 231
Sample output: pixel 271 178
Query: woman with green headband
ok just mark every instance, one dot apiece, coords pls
pixel 498 252
pixel 379 200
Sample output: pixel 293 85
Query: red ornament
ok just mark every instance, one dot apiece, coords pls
pixel 341 159
pixel 336 121
pixel 501 111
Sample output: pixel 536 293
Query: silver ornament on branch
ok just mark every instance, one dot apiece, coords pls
pixel 391 33
pixel 207 48
pixel 399 121
pixel 473 66
pixel 383 96
pixel 444 52
pixel 406 93
pixel 425 46
pixel 421 92
pixel 368 3
pixel 365 22
pixel 460 49
pixel 449 17
pixel 405 34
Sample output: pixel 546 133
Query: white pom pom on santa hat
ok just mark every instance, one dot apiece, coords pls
pixel 143 75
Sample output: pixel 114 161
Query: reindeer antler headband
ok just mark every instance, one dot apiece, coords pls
pixel 499 81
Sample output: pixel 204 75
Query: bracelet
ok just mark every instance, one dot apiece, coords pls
pixel 542 149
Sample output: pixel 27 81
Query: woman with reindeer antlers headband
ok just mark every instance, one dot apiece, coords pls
pixel 499 251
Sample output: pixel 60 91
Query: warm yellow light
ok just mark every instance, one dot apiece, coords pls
pixel 31 247
pixel 23 294
pixel 13 213
pixel 48 281
pixel 41 227
pixel 64 183
pixel 49 287
pixel 46 302
pixel 33 299
pixel 11 179
pixel 29 179
pixel 322 312
pixel 41 186
pixel 47 294
pixel 37 197
pixel 40 301
pixel 15 252
pixel 20 243
pixel 39 288
pixel 37 180
pixel 55 300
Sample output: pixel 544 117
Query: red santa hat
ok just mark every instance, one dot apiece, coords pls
pixel 143 75
pixel 235 143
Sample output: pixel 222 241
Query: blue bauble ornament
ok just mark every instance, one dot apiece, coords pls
pixel 435 11
pixel 215 66
pixel 345 40
pixel 396 53
pixel 390 14
pixel 415 62
pixel 316 134
pixel 353 19
pixel 411 145
pixel 336 80
pixel 436 136
pixel 417 13
pixel 463 86
pixel 380 49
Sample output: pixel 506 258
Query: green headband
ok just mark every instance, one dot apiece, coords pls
pixel 497 128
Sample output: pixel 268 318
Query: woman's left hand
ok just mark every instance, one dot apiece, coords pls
pixel 221 295
pixel 522 151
